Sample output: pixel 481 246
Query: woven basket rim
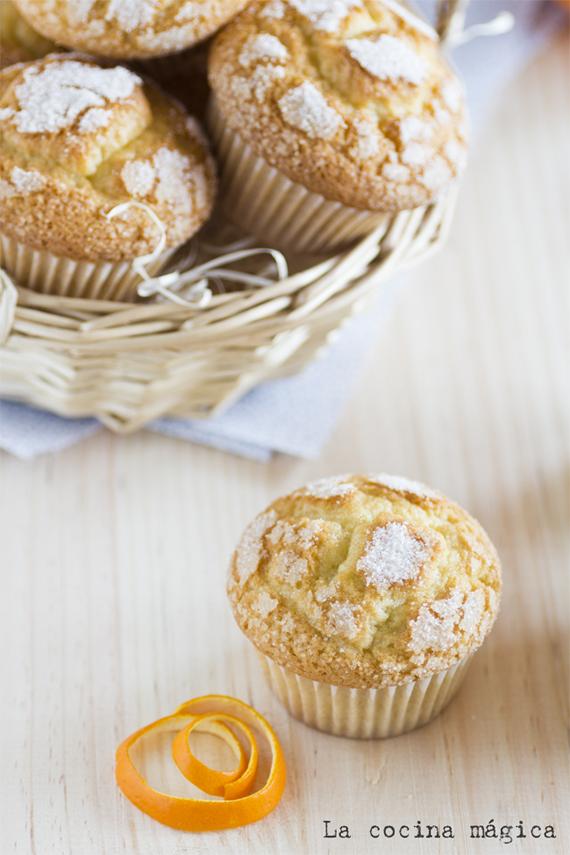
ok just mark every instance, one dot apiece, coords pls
pixel 313 287
pixel 129 364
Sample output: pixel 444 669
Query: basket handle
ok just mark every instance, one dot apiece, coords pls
pixel 450 18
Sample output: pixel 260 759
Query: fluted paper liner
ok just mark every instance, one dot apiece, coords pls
pixel 267 204
pixel 364 713
pixel 65 277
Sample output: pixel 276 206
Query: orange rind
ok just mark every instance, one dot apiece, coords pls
pixel 228 719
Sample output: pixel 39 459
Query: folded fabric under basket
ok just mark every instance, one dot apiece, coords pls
pixel 294 415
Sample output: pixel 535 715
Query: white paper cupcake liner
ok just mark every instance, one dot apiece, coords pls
pixel 267 204
pixel 51 274
pixel 364 713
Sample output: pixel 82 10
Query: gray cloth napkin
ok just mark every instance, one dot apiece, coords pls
pixel 295 415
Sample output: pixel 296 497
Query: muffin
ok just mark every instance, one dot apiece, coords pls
pixel 127 29
pixel 366 597
pixel 76 140
pixel 330 117
pixel 18 42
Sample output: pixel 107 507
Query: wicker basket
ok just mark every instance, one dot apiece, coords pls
pixel 129 363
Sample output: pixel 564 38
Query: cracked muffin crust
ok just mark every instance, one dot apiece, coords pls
pixel 127 29
pixel 365 582
pixel 76 139
pixel 352 99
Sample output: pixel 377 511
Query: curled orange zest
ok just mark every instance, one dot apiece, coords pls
pixel 221 716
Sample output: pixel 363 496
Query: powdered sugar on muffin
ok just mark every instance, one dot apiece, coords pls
pixel 394 554
pixel 352 100
pixel 382 581
pixel 76 139
pixel 129 28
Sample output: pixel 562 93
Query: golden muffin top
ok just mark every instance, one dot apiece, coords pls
pixel 18 41
pixel 352 99
pixel 77 139
pixel 129 28
pixel 365 581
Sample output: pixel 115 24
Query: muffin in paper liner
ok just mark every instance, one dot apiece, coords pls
pixel 118 176
pixel 364 713
pixel 51 274
pixel 366 597
pixel 330 119
pixel 264 202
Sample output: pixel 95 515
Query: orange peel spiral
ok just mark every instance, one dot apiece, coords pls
pixel 223 717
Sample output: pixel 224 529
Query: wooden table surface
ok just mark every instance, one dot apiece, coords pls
pixel 114 556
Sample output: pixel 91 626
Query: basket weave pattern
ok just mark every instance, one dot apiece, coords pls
pixel 129 363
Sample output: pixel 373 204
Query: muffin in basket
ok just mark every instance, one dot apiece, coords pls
pixel 18 41
pixel 129 29
pixel 330 117
pixel 77 140
pixel 366 597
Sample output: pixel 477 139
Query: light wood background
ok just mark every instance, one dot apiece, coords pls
pixel 114 555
